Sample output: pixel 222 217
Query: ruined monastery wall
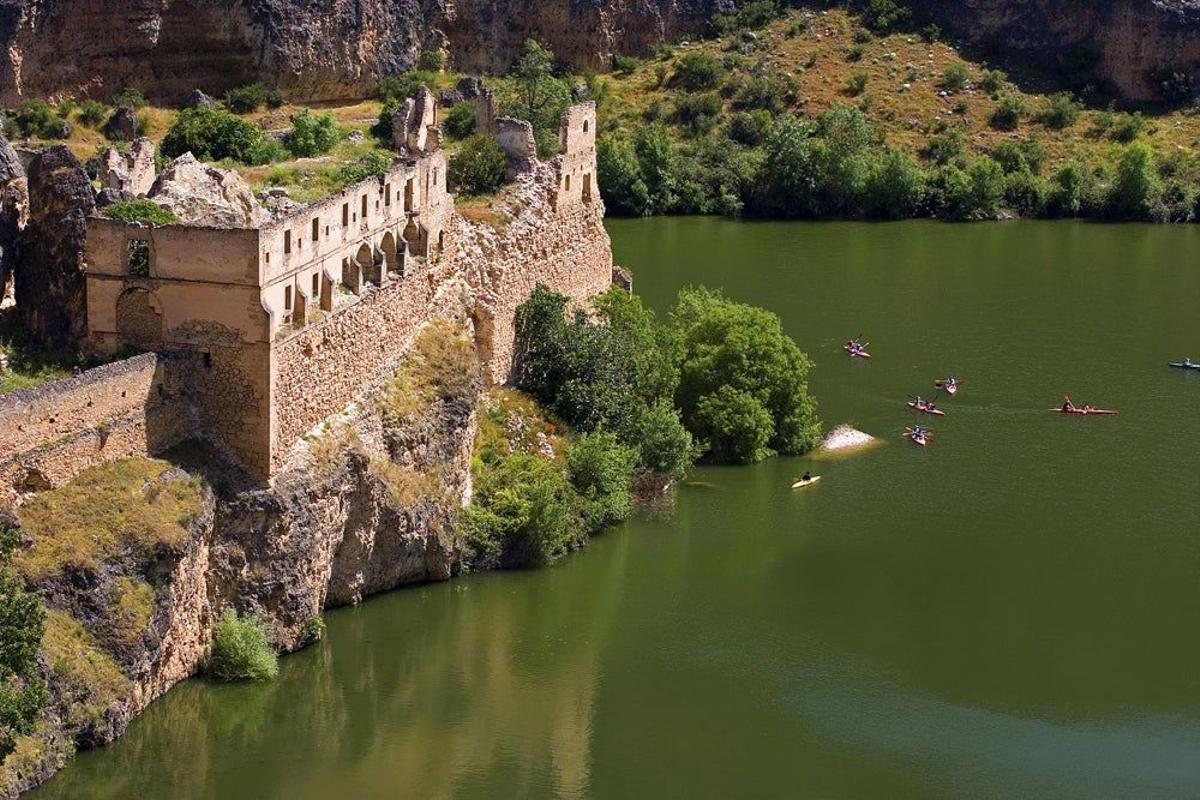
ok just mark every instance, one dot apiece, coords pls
pixel 51 433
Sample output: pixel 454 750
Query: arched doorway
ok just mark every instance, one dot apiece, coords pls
pixel 365 259
pixel 139 318
pixel 393 261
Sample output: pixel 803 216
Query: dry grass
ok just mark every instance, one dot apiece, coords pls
pixel 330 446
pixel 814 48
pixel 490 210
pixel 132 607
pixel 511 421
pixel 104 511
pixel 442 365
pixel 88 679
pixel 407 486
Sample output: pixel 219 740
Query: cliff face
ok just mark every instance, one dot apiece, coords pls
pixel 1121 41
pixel 313 50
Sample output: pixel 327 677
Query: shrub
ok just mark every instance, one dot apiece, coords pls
pixel 895 187
pixel 374 162
pixel 273 97
pixel 313 134
pixel 212 135
pixel 790 175
pixel 600 467
pixel 753 14
pixel 931 33
pixel 1007 115
pixel 1025 193
pixel 749 127
pixel 92 113
pixel 1061 111
pixel 955 76
pixel 944 147
pixel 972 195
pixel 460 120
pixel 432 60
pixel 128 98
pixel 1072 193
pixel 241 650
pixel 883 15
pixel 857 84
pixel 142 210
pixel 36 118
pixel 625 64
pixel 697 71
pixel 699 112
pixel 855 52
pixel 768 92
pixel 1126 127
pixel 993 81
pixel 246 99
pixel 478 167
pixel 313 631
pixel 1136 186
pixel 620 175
pixel 730 350
pixel 22 694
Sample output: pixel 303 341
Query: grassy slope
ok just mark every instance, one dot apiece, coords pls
pixel 813 47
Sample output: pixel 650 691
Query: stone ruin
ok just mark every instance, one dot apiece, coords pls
pixel 129 174
pixel 414 125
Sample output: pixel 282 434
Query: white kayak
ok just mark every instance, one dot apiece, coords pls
pixel 804 484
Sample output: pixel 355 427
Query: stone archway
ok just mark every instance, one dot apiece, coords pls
pixel 365 258
pixel 393 260
pixel 139 317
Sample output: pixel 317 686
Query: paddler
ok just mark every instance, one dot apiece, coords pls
pixel 806 477
pixel 1067 405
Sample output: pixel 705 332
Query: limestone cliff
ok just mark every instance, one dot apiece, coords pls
pixel 1118 41
pixel 313 50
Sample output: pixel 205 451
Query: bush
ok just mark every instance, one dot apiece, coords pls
pixel 22 694
pixel 1007 115
pixel 883 15
pixel 92 113
pixel 143 211
pixel 620 175
pixel 36 118
pixel 972 195
pixel 313 134
pixel 128 98
pixel 460 120
pixel 246 99
pixel 625 64
pixel 993 81
pixel 1026 194
pixel 955 76
pixel 730 350
pixel 1061 111
pixel 944 147
pixel 432 60
pixel 1126 127
pixel 895 187
pixel 478 167
pixel 699 112
pixel 857 84
pixel 374 162
pixel 273 98
pixel 855 52
pixel 931 33
pixel 241 650
pixel 600 468
pixel 753 14
pixel 696 71
pixel 1136 187
pixel 212 135
pixel 749 127
pixel 768 92
pixel 1072 193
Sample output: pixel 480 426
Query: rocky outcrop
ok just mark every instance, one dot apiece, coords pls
pixel 325 50
pixel 1123 42
pixel 413 123
pixel 202 195
pixel 49 267
pixel 14 208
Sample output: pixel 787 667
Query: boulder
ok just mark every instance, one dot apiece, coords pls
pixel 14 206
pixel 469 87
pixel 106 197
pixel 49 268
pixel 198 99
pixel 123 125
pixel 202 195
pixel 130 172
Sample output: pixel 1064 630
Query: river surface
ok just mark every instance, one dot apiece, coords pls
pixel 1010 613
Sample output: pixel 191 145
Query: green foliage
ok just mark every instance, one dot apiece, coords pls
pixel 855 52
pixel 313 134
pixel 22 693
pixel 127 98
pixel 478 166
pixel 432 60
pixel 883 15
pixel 751 15
pixel 620 173
pixel 771 91
pixel 403 86
pixel 241 650
pixel 993 81
pixel 895 186
pixel 1061 111
pixel 92 113
pixel 246 99
pixel 1073 192
pixel 1136 186
pixel 212 135
pixel 749 128
pixel 729 350
pixel 625 64
pixel 955 76
pixel 696 71
pixel 931 33
pixel 1007 114
pixel 1126 127
pixel 141 210
pixel 790 176
pixel 314 630
pixel 36 118
pixel 600 468
pixel 974 194
pixel 857 84
pixel 374 162
pixel 460 120
pixel 700 112
pixel 1026 193
pixel 537 95
pixel 942 148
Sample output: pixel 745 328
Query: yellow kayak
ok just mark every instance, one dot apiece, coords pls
pixel 803 484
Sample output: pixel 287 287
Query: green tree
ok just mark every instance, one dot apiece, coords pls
pixel 883 15
pixel 313 134
pixel 540 98
pixel 600 468
pixel 620 174
pixel 241 650
pixel 1136 186
pixel 733 426
pixel 664 445
pixel 460 120
pixel 895 186
pixel 212 135
pixel 478 166
pixel 724 343
pixel 22 693
pixel 656 158
pixel 790 174
pixel 696 71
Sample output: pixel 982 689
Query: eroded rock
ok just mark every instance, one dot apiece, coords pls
pixel 202 195
pixel 128 173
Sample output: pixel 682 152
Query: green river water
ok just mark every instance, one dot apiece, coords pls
pixel 1011 612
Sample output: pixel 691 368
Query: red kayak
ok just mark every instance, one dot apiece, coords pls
pixel 856 352
pixel 924 408
pixel 920 438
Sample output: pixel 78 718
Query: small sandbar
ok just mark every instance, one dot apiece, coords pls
pixel 844 439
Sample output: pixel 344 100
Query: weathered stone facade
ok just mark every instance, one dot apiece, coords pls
pixel 293 318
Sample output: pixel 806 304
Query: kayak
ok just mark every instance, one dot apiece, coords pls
pixel 856 353
pixel 925 409
pixel 950 388
pixel 919 439
pixel 1086 411
pixel 804 484
pixel 1184 365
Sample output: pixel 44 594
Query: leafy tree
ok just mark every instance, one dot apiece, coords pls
pixel 664 445
pixel 1025 193
pixel 241 650
pixel 790 175
pixel 733 426
pixel 540 98
pixel 600 468
pixel 92 113
pixel 1007 114
pixel 620 173
pixel 699 112
pixel 1061 111
pixel 944 147
pixel 749 127
pixel 1136 185
pixel 696 71
pixel 128 98
pixel 246 99
pixel 975 194
pixel 22 693
pixel 35 118
pixel 212 135
pixel 895 187
pixel 883 15
pixel 724 343
pixel 313 134
pixel 846 136
pixel 460 121
pixel 478 167
pixel 656 157
pixel 1072 191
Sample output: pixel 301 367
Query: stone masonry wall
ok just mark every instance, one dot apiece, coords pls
pixel 51 433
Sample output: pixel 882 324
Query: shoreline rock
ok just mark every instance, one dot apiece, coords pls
pixel 843 439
